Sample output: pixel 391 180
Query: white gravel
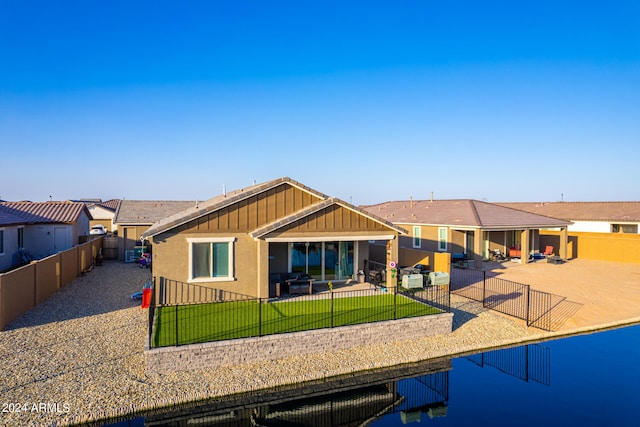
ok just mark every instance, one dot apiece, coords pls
pixel 79 356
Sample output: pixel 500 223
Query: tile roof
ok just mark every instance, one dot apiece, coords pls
pixel 8 217
pixel 45 212
pixel 111 205
pixel 232 197
pixel 582 211
pixel 461 213
pixel 148 211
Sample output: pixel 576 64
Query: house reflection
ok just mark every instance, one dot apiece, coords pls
pixel 413 392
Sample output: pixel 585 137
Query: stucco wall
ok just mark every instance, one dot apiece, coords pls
pixel 273 347
pixel 10 248
pixel 171 260
pixel 428 237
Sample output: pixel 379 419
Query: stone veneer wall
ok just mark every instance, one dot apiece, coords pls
pixel 249 350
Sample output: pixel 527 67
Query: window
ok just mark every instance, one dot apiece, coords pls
pixel 1 241
pixel 211 259
pixel 417 240
pixel 20 237
pixel 442 239
pixel 624 228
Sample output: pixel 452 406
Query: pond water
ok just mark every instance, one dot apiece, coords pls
pixel 586 380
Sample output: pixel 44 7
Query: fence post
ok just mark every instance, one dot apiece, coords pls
pixel 484 287
pixel 259 317
pixel 395 296
pixel 152 309
pixel 176 325
pixel 331 309
pixel 528 303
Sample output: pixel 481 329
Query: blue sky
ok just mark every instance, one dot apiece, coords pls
pixel 365 101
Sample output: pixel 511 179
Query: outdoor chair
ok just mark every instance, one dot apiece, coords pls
pixel 548 251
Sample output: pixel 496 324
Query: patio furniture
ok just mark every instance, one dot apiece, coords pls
pixel 515 252
pixel 555 259
pixel 548 251
pixel 294 283
pixel 274 285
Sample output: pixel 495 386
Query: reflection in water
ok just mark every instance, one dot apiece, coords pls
pixel 528 362
pixel 411 392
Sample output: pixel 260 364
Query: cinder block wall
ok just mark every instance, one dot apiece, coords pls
pixel 272 347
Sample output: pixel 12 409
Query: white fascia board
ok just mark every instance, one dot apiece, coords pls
pixel 330 238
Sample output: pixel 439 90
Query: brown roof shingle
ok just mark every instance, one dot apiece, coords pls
pixel 582 211
pixel 462 213
pixel 148 211
pixel 46 212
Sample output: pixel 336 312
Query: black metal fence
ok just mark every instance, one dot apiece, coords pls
pixel 511 298
pixel 230 316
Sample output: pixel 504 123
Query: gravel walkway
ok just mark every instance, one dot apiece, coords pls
pixel 79 355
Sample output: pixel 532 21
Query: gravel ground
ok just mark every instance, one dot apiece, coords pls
pixel 79 356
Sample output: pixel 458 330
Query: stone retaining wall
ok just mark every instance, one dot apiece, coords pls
pixel 250 350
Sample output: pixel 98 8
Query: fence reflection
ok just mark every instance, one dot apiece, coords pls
pixel 411 392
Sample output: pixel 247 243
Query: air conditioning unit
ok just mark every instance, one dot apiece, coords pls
pixel 437 278
pixel 412 281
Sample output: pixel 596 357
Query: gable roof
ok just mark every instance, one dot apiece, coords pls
pixel 45 212
pixel 224 200
pixel 110 205
pixel 461 213
pixel 582 211
pixel 148 211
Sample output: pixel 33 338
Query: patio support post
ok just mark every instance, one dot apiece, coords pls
pixel 262 269
pixel 392 255
pixel 524 246
pixel 564 241
pixel 477 248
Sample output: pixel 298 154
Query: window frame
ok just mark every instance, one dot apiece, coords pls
pixel 20 237
pixel 231 255
pixel 417 236
pixel 442 242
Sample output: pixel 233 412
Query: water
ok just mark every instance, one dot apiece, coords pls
pixel 587 380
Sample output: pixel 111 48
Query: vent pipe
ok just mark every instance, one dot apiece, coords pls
pixel 432 196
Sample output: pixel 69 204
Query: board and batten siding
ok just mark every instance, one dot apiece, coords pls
pixel 254 212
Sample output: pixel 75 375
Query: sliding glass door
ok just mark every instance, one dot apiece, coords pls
pixel 323 260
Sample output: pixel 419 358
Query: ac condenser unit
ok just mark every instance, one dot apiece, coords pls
pixel 411 281
pixel 437 278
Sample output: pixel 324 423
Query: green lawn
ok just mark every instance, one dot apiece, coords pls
pixel 230 320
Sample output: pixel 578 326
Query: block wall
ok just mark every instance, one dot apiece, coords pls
pixel 272 347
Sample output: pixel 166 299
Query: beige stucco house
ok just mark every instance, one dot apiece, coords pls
pixel 134 217
pixel 469 227
pixel 606 231
pixel 233 242
pixel 104 213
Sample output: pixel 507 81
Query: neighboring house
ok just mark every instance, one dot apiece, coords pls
pixel 469 227
pixel 134 217
pixel 11 238
pixel 42 228
pixel 593 217
pixel 104 213
pixel 234 241
pixel 606 231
